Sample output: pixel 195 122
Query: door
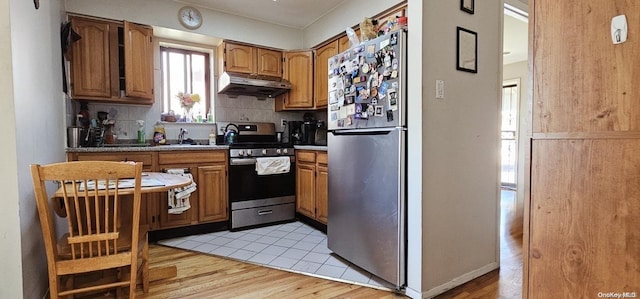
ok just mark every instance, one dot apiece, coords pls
pixel 138 61
pixel 269 63
pixel 321 69
pixel 90 65
pixel 212 193
pixel 239 58
pixel 509 133
pixel 306 189
pixel 367 200
pixel 298 70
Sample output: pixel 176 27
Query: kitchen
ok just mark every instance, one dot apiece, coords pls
pixel 152 116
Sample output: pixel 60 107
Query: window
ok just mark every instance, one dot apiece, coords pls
pixel 185 71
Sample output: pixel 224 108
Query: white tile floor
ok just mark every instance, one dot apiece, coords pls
pixel 292 246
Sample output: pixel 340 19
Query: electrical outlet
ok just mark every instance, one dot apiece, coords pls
pixel 283 122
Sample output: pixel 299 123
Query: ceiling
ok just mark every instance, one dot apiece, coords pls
pixel 302 13
pixel 291 13
pixel 516 40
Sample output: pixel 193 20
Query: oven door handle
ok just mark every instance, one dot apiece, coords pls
pixel 243 161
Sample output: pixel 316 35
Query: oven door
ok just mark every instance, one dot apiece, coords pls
pixel 245 184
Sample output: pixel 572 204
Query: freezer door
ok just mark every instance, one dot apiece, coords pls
pixel 366 223
pixel 367 85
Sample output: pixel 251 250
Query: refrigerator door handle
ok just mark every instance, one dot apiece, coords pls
pixel 365 132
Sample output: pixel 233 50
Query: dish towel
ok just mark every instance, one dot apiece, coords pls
pixel 178 198
pixel 273 165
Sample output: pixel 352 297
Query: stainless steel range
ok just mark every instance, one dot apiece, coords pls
pixel 258 198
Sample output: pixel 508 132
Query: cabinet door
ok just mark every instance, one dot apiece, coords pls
pixel 306 189
pixel 212 193
pixel 298 69
pixel 344 43
pixel 322 190
pixel 90 68
pixel 239 58
pixel 185 218
pixel 321 69
pixel 269 63
pixel 138 61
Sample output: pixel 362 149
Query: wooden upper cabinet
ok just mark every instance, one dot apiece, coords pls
pixel 250 60
pixel 138 57
pixel 238 58
pixel 321 70
pixel 90 60
pixel 112 62
pixel 269 62
pixel 298 69
pixel 344 43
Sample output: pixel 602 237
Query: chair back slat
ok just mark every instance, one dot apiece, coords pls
pixel 98 237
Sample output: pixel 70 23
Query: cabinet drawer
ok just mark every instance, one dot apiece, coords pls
pixel 192 157
pixel 145 158
pixel 306 156
pixel 322 158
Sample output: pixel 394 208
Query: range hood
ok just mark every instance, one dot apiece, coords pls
pixel 243 85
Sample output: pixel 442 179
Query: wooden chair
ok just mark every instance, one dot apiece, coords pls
pixel 104 239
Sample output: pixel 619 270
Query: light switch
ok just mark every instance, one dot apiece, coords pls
pixel 619 29
pixel 439 89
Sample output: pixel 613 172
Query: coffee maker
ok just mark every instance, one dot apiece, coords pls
pixel 295 132
pixel 309 132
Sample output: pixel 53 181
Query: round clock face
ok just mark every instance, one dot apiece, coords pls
pixel 190 17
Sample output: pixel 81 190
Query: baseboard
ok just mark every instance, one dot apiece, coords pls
pixel 460 280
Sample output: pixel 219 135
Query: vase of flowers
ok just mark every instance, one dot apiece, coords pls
pixel 186 102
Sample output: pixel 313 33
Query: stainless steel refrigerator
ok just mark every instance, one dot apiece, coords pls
pixel 367 156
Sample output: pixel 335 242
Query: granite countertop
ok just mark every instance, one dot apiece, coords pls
pixel 311 147
pixel 172 147
pixel 148 148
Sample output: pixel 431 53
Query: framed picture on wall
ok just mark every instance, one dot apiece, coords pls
pixel 467 6
pixel 467 50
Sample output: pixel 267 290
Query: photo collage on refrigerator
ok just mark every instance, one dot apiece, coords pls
pixel 363 83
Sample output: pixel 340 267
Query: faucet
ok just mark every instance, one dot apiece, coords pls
pixel 181 135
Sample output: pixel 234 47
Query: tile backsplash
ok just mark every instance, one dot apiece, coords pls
pixel 241 108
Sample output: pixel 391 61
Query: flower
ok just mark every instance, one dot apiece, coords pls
pixel 188 100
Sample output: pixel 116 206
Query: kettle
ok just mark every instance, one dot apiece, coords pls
pixel 230 136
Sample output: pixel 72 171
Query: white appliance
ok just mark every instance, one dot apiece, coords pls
pixel 367 156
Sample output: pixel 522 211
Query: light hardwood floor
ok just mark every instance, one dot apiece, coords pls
pixel 208 276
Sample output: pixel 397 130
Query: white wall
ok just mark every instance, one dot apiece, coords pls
pixel 11 262
pixel 460 146
pixel 163 13
pixel 39 107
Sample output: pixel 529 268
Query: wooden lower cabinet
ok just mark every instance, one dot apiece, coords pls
pixel 213 187
pixel 322 188
pixel 311 184
pixel 148 201
pixel 209 170
pixel 210 202
pixel 185 218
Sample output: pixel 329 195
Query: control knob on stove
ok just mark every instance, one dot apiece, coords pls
pixel 285 151
pixel 278 151
pixel 249 152
pixel 264 152
pixel 240 153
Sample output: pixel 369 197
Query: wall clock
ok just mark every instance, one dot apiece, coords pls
pixel 190 17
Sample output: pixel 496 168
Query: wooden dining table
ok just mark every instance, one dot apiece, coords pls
pixel 151 182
